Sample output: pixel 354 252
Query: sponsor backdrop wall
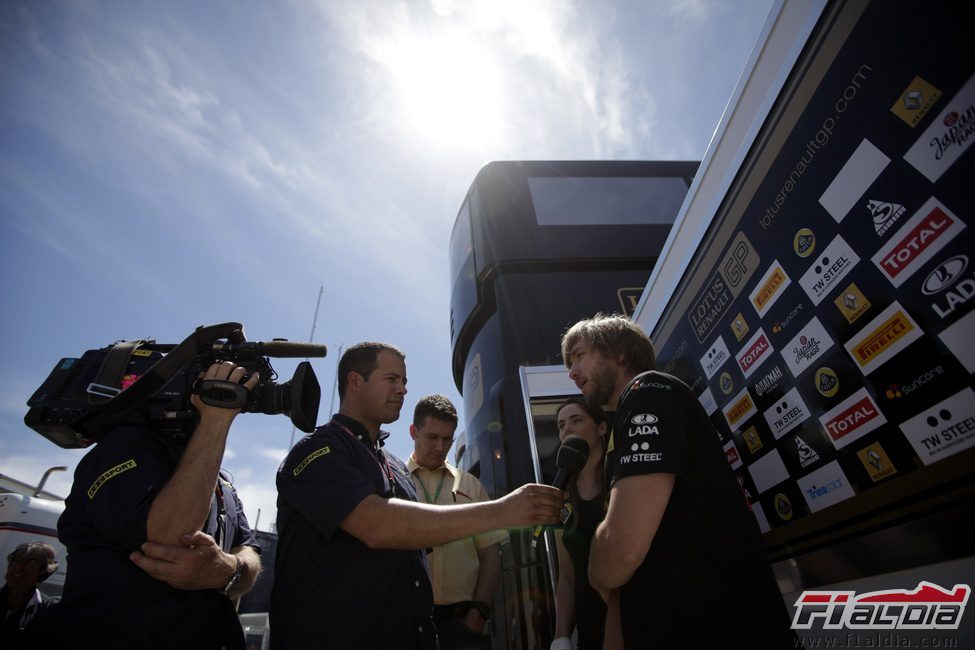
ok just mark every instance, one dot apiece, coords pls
pixel 826 321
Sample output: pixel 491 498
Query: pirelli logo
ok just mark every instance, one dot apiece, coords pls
pixel 769 288
pixel 309 458
pixel 889 333
pixel 110 474
pixel 739 409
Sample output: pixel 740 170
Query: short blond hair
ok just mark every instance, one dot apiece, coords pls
pixel 613 335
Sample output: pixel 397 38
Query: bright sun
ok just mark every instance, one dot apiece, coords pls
pixel 449 90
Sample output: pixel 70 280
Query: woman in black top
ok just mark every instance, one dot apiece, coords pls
pixel 577 604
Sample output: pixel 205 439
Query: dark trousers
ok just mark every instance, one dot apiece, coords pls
pixel 452 632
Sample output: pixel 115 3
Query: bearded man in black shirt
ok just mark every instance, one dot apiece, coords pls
pixel 678 558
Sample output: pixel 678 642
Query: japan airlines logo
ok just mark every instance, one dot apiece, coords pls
pixel 928 607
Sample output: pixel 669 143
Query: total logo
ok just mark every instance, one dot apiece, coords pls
pixel 851 419
pixel 884 215
pixel 929 607
pixel 837 260
pixel 825 487
pixel 944 429
pixel 896 391
pixel 754 353
pixel 918 240
pixel 786 414
pixel 732 453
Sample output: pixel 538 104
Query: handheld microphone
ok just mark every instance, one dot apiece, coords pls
pixel 570 460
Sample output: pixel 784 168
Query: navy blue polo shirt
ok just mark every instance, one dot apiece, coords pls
pixel 330 589
pixel 109 600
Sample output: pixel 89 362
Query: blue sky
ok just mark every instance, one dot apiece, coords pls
pixel 168 165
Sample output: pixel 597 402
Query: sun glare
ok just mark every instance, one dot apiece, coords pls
pixel 449 90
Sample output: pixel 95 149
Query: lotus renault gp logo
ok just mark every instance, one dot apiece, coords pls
pixel 644 418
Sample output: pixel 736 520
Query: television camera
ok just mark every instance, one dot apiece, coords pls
pixel 148 384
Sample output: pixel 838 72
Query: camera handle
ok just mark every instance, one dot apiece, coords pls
pixel 221 393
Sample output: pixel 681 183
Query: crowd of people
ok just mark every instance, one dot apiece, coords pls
pixel 655 543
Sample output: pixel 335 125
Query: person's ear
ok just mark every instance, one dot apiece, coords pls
pixel 413 431
pixel 603 427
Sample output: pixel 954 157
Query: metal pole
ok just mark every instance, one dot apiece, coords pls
pixel 311 339
pixel 40 486
pixel 335 385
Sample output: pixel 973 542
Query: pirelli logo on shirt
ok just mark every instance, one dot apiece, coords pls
pixel 110 474
pixel 309 458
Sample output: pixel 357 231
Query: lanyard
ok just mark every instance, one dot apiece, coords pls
pixel 379 454
pixel 436 497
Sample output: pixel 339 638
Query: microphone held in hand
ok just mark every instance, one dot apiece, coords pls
pixel 570 460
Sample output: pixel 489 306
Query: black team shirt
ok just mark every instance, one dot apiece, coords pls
pixel 330 589
pixel 706 580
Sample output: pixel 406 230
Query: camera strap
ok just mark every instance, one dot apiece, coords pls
pixel 109 377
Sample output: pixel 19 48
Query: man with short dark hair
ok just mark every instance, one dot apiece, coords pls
pixel 158 543
pixel 28 565
pixel 465 572
pixel 351 570
pixel 678 557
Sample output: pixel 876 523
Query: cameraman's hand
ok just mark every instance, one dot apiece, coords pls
pixel 226 371
pixel 198 564
pixel 533 505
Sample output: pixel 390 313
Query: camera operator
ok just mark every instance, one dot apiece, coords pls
pixel 157 540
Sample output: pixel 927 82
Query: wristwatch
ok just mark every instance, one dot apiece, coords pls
pixel 234 578
pixel 482 609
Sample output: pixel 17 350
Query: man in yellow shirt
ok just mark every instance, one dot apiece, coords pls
pixel 465 573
